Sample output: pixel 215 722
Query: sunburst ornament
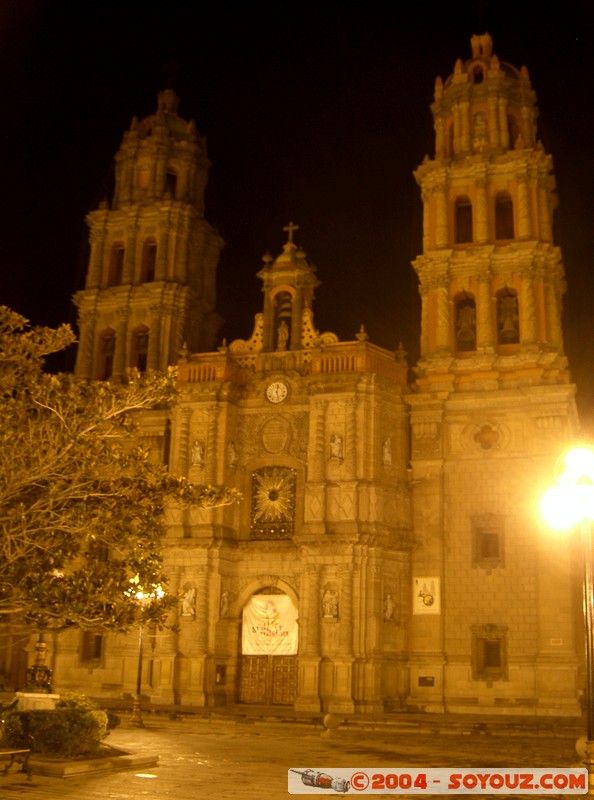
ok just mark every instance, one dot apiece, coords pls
pixel 273 502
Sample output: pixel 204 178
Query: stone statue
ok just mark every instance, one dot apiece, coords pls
pixel 387 451
pixel 389 607
pixel 336 446
pixel 198 454
pixel 224 605
pixel 282 336
pixel 330 604
pixel 189 602
pixel 232 457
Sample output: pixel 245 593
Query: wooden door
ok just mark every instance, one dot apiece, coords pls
pixel 268 680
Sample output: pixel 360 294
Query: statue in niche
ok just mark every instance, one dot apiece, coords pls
pixel 508 319
pixel 232 457
pixel 336 447
pixel 282 336
pixel 389 607
pixel 198 453
pixel 188 601
pixel 330 604
pixel 479 131
pixel 224 605
pixel 466 325
pixel 387 452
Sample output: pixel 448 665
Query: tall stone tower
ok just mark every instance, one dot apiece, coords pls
pixel 150 284
pixel 492 622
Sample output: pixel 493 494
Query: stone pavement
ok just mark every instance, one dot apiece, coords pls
pixel 246 757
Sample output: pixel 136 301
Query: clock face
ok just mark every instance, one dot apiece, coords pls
pixel 277 391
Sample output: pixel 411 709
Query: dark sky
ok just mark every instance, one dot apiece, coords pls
pixel 314 112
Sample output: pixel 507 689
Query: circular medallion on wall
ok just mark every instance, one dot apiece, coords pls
pixel 276 435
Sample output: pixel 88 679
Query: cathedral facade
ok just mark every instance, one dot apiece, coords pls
pixel 388 552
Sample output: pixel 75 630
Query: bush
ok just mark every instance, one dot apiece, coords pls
pixel 75 727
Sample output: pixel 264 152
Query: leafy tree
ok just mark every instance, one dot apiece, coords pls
pixel 82 503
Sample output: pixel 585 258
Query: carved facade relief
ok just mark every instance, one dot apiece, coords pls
pixel 261 434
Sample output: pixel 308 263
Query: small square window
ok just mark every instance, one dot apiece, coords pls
pixel 489 652
pixel 487 541
pixel 91 648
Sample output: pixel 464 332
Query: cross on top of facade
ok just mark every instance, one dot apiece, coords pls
pixel 290 228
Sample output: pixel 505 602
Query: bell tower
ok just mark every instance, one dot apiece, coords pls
pixel 491 279
pixel 150 282
pixel 289 285
pixel 492 408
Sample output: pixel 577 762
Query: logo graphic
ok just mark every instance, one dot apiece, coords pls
pixel 323 781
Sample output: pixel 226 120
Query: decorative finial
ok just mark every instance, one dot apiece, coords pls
pixel 362 335
pixel 184 352
pixel 291 228
pixel 267 258
pixel 401 354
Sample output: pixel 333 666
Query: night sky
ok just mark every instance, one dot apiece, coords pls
pixel 316 113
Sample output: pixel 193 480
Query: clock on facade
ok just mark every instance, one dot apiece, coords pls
pixel 277 391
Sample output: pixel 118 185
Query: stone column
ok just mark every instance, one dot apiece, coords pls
pixel 493 117
pixel 87 322
pixel 161 271
pixel 544 212
pixel 482 216
pixel 442 328
pixel 212 445
pixel 351 439
pixel 309 632
pixel 484 311
pixel 318 462
pixel 426 197
pixel 296 320
pixel 503 127
pixel 96 260
pixel 524 223
pixel 441 226
pixel 439 137
pixel 465 126
pixel 553 307
pixel 183 460
pixel 154 341
pixel 424 292
pixel 129 270
pixel 121 343
pixel 457 131
pixel 527 311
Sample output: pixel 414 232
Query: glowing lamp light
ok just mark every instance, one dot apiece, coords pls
pixel 572 500
pixel 569 503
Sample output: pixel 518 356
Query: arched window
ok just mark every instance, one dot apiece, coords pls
pixel 450 139
pixel 284 307
pixel 462 220
pixel 477 74
pixel 480 131
pixel 106 351
pixel 116 264
pixel 465 323
pixel 139 348
pixel 513 129
pixel 149 260
pixel 508 318
pixel 142 177
pixel 171 182
pixel 504 216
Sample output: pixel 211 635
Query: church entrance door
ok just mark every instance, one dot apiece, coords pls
pixel 268 680
pixel 269 643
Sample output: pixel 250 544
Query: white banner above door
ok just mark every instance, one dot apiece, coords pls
pixel 269 626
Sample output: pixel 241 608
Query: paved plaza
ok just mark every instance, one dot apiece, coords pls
pixel 235 758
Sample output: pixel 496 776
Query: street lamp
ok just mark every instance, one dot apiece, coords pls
pixel 569 503
pixel 144 599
